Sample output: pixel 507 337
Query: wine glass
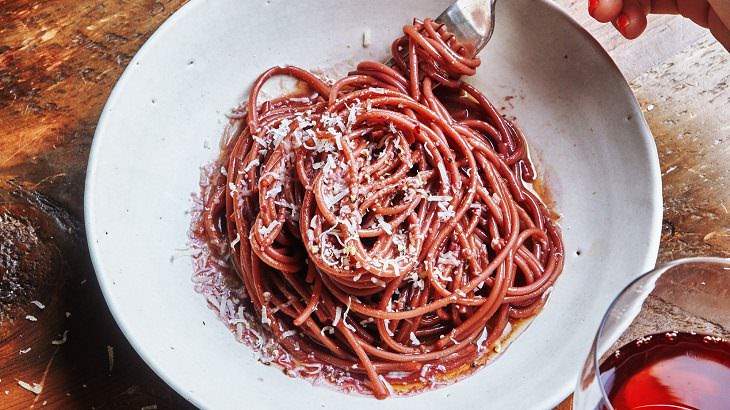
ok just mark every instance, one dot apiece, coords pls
pixel 664 342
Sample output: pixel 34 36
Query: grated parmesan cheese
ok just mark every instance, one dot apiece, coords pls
pixel 388 386
pixel 39 304
pixel 236 241
pixel 446 213
pixel 274 191
pixel 344 315
pixel 279 133
pixel 260 141
pixel 251 164
pixel 288 333
pixel 414 339
pixel 338 313
pixel 444 176
pixel 330 202
pixel 31 318
pixel 266 230
pixel 480 341
pixel 110 356
pixel 439 198
pixel 392 128
pixel 441 276
pixel 384 225
pixel 390 333
pixel 352 115
pixel 366 38
pixel 62 340
pixel 264 319
pixel 449 258
pixel 35 388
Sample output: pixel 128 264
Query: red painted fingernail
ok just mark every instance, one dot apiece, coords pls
pixel 622 23
pixel 592 6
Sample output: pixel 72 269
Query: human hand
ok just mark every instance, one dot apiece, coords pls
pixel 629 16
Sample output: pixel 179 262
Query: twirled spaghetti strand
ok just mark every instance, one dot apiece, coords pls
pixel 381 224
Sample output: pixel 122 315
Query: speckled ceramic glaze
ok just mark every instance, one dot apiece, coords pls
pixel 164 119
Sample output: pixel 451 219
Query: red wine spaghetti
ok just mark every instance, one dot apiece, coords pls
pixel 382 225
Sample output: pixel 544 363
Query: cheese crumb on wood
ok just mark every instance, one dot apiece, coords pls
pixel 110 354
pixel 31 318
pixel 39 304
pixel 62 340
pixel 35 388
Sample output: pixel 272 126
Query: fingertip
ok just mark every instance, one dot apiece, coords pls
pixel 605 10
pixel 631 22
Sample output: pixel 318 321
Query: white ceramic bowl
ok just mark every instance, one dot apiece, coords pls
pixel 166 115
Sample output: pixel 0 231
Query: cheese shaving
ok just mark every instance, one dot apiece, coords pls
pixel 39 304
pixel 266 230
pixel 385 226
pixel 251 164
pixel 366 38
pixel 439 198
pixel 264 319
pixel 62 340
pixel 110 356
pixel 35 388
pixel 288 333
pixel 338 313
pixel 236 241
pixel 444 176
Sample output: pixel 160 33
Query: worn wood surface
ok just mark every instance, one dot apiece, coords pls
pixel 58 63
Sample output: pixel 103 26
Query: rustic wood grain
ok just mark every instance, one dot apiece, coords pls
pixel 58 63
pixel 686 102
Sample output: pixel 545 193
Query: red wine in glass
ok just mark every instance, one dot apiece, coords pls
pixel 669 371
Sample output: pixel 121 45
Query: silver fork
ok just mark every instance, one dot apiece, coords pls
pixel 471 22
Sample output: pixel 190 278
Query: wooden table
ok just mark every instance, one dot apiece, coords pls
pixel 58 63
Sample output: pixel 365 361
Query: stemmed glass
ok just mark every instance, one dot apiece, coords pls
pixel 645 352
